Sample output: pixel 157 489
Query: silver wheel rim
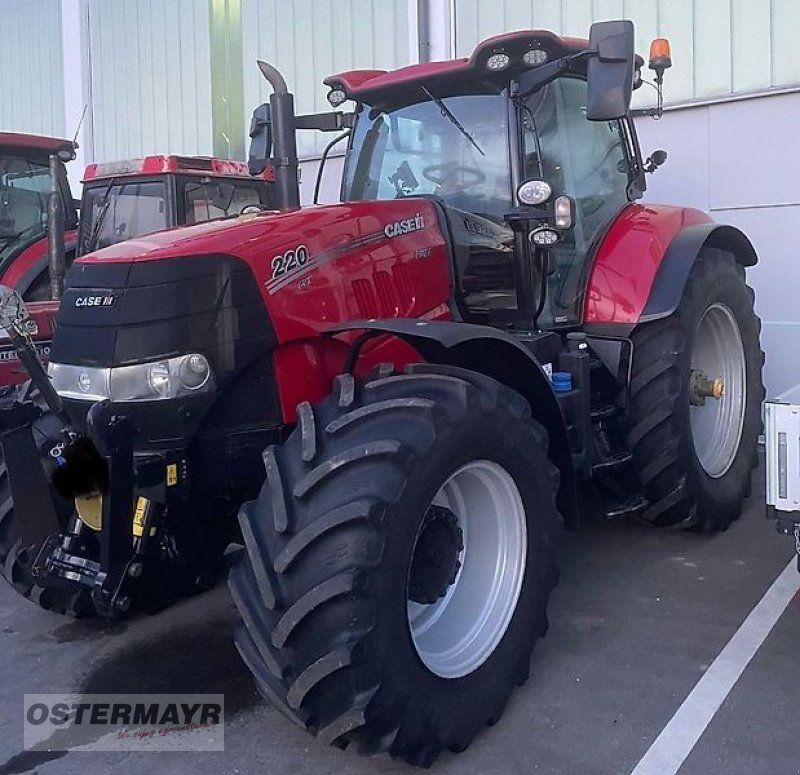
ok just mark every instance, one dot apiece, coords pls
pixel 456 634
pixel 717 425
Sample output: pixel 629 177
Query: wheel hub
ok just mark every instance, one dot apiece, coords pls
pixel 701 388
pixel 435 563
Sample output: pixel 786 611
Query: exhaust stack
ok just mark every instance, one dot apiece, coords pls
pixel 281 109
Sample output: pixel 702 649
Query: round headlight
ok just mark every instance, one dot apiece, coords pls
pixel 534 192
pixel 534 57
pixel 158 378
pixel 194 371
pixel 498 61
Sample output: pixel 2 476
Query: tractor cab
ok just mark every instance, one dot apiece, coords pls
pixel 31 168
pixel 516 144
pixel 127 199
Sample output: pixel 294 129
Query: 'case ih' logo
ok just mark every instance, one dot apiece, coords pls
pixel 106 300
pixel 405 226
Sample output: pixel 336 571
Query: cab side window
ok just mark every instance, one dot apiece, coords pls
pixel 218 199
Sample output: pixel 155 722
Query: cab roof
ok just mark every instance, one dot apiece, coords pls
pixel 35 145
pixel 162 163
pixel 375 86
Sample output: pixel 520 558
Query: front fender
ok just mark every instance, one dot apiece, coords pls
pixel 495 354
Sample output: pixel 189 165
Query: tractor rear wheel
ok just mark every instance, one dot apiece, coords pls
pixel 399 561
pixel 695 399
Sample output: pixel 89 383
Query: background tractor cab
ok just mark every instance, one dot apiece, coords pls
pixel 33 180
pixel 127 199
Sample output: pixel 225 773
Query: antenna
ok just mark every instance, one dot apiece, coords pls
pixel 80 124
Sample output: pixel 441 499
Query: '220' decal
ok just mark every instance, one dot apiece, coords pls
pixel 289 262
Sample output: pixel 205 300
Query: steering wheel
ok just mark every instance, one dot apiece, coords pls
pixel 441 174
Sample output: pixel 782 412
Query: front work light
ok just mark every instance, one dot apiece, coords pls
pixel 337 96
pixel 534 192
pixel 534 57
pixel 498 61
pixel 544 236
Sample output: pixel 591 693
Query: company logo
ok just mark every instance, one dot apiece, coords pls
pixel 124 722
pixel 105 300
pixel 481 229
pixel 406 226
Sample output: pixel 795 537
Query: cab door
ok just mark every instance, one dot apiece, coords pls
pixel 585 160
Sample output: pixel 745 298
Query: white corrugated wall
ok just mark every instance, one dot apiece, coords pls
pixel 32 97
pixel 309 39
pixel 719 47
pixel 150 77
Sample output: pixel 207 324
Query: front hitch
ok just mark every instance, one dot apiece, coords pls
pixel 96 466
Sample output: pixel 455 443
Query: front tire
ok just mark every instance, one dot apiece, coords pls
pixel 399 561
pixel 694 439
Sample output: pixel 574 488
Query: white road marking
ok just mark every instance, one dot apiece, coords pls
pixel 684 729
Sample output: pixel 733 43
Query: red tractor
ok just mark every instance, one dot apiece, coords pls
pixel 38 217
pixel 402 395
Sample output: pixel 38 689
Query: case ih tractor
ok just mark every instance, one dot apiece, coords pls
pixel 401 395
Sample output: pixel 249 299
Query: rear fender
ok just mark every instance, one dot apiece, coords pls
pixel 641 265
pixel 491 352
pixel 673 272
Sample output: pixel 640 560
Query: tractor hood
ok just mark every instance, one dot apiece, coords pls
pixel 305 269
pixel 246 294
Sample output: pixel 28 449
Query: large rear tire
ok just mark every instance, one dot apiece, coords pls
pixel 694 439
pixel 399 562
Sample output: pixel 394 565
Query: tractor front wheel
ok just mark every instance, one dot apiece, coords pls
pixel 399 561
pixel 695 399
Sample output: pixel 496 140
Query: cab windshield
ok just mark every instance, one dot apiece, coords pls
pixel 24 187
pixel 117 211
pixel 456 149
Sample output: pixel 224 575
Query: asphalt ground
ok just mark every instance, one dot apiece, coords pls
pixel 637 619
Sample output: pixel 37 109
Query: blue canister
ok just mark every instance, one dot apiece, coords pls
pixel 562 381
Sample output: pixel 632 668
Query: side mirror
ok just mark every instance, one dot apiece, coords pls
pixel 610 70
pixel 655 160
pixel 260 139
